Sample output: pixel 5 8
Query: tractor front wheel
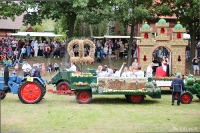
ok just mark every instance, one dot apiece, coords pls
pixel 2 94
pixel 186 98
pixel 30 92
pixel 83 97
pixel 135 98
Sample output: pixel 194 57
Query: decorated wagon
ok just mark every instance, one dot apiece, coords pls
pixel 84 85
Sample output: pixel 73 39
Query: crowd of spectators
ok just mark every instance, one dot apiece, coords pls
pixel 12 49
pixel 109 49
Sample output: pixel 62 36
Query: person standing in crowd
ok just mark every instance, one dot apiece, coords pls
pixel 121 54
pixel 149 73
pixel 134 46
pixel 26 68
pixel 187 51
pixel 117 50
pixel 35 49
pixel 198 50
pixel 28 49
pixel 40 48
pixel 177 86
pixel 195 63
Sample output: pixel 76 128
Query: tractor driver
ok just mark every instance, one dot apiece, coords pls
pixel 26 68
pixel 35 71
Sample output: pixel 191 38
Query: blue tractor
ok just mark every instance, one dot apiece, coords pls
pixel 30 90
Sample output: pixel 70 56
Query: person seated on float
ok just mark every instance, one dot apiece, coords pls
pixel 132 71
pixel 72 68
pixel 108 70
pixel 117 73
pixel 139 73
pixel 35 71
pixel 135 64
pixel 99 71
pixel 126 72
pixel 104 73
pixel 162 70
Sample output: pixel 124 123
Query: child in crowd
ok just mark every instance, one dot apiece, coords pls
pixel 105 51
pixel 56 67
pixel 24 52
pixel 49 67
pixel 110 51
pixel 32 52
pixel 43 69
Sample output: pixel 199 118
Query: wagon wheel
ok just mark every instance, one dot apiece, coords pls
pixel 2 94
pixel 30 92
pixel 186 98
pixel 135 98
pixel 63 86
pixel 83 97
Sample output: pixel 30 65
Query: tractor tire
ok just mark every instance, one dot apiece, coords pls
pixel 2 94
pixel 135 98
pixel 63 86
pixel 83 97
pixel 186 98
pixel 31 92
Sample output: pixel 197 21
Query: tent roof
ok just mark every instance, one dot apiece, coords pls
pixel 120 37
pixel 49 34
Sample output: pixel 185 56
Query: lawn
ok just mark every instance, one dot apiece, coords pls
pixel 105 114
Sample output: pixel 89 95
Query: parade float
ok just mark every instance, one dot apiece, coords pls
pixel 85 84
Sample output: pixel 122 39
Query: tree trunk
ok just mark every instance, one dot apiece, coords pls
pixel 71 18
pixel 130 43
pixel 193 45
pixel 91 30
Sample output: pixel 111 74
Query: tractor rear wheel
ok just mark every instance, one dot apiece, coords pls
pixel 31 92
pixel 63 86
pixel 83 97
pixel 136 98
pixel 2 94
pixel 186 98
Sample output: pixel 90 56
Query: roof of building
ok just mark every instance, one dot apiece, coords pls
pixel 9 24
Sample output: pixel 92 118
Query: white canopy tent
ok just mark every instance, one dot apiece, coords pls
pixel 43 34
pixel 186 36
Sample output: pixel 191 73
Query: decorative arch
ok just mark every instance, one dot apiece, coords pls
pixel 81 57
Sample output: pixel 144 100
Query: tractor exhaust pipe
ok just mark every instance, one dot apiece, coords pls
pixel 6 78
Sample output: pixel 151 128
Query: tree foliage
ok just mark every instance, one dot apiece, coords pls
pixel 10 9
pixel 131 12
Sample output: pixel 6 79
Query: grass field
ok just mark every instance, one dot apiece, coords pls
pixel 105 114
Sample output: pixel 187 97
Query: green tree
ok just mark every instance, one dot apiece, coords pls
pixel 132 12
pixel 10 9
pixel 186 11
